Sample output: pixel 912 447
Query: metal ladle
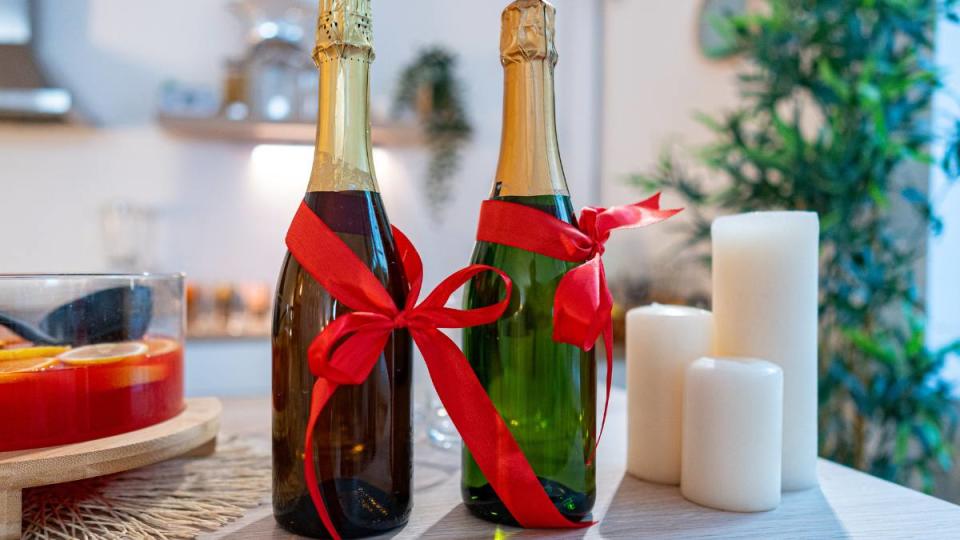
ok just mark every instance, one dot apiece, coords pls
pixel 109 315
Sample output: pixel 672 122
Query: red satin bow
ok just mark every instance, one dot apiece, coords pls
pixel 348 348
pixel 582 305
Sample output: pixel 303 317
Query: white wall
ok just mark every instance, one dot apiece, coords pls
pixel 221 217
pixel 655 80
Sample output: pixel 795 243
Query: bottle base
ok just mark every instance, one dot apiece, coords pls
pixel 484 503
pixel 370 512
pixel 311 527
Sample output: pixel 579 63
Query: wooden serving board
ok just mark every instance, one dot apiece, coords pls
pixel 192 432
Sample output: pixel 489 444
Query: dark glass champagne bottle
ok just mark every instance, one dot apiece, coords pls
pixel 362 442
pixel 545 391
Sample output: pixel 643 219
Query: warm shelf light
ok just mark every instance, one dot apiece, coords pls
pixel 281 171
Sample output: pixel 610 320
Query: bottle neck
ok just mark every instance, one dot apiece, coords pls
pixel 343 157
pixel 529 153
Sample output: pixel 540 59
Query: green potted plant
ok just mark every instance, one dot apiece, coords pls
pixel 430 87
pixel 835 118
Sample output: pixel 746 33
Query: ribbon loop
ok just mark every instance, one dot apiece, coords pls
pixel 346 351
pixel 412 266
pixel 580 320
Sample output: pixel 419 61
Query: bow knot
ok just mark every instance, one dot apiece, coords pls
pixel 402 320
pixel 598 249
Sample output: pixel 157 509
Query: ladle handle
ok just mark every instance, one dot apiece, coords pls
pixel 27 331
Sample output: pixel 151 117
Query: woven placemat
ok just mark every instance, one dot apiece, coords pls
pixel 176 499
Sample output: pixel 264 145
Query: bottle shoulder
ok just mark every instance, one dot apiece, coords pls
pixel 527 270
pixel 557 205
pixel 359 220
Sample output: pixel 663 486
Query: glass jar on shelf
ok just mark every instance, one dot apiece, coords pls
pixel 281 80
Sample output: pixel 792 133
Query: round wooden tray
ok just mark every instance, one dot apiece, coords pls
pixel 192 432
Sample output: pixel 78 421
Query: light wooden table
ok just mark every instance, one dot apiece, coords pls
pixel 848 504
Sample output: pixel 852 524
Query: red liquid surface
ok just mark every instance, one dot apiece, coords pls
pixel 71 403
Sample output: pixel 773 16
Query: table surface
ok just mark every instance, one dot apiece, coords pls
pixel 848 504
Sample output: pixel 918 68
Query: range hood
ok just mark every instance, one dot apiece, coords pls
pixel 25 92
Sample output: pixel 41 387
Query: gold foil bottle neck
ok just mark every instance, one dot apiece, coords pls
pixel 344 30
pixel 528 31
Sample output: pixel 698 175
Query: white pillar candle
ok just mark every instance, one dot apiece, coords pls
pixel 662 341
pixel 765 272
pixel 732 436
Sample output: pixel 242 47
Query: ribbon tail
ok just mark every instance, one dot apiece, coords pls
pixel 581 295
pixel 608 348
pixel 322 391
pixel 486 435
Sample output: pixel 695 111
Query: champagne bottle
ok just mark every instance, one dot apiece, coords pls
pixel 362 441
pixel 545 391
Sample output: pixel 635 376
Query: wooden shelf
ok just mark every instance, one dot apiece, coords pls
pixel 250 131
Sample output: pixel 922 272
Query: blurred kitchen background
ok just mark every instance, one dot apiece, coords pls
pixel 181 142
pixel 135 178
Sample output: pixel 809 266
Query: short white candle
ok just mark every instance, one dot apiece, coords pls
pixel 732 436
pixel 662 341
pixel 765 272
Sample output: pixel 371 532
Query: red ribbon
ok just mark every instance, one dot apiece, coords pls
pixel 346 351
pixel 582 305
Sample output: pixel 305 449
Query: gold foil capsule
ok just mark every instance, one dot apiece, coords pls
pixel 528 31
pixel 344 29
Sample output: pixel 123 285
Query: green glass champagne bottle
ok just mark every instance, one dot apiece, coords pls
pixel 544 390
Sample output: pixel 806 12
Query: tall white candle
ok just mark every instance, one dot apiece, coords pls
pixel 662 341
pixel 765 272
pixel 732 435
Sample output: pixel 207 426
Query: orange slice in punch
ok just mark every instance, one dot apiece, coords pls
pixel 160 346
pixel 26 365
pixel 104 353
pixel 127 376
pixel 28 353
